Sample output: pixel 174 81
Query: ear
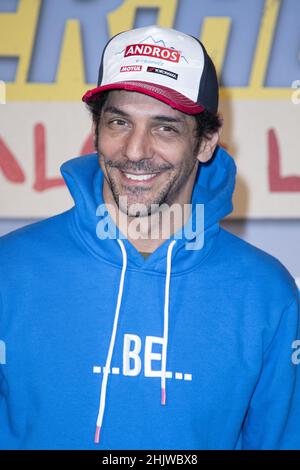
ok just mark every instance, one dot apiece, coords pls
pixel 208 146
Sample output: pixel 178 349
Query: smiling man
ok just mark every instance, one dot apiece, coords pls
pixel 149 154
pixel 119 339
pixel 150 151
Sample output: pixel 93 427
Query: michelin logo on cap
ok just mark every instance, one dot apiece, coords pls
pixel 168 73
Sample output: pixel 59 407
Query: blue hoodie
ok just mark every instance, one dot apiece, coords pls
pixel 188 349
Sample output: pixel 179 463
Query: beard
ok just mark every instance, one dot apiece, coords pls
pixel 137 201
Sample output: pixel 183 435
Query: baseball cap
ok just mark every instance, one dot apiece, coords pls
pixel 166 64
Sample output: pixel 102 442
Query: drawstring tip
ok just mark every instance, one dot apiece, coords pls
pixel 97 435
pixel 163 396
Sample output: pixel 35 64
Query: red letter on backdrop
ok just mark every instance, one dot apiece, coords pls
pixel 9 165
pixel 41 181
pixel 278 183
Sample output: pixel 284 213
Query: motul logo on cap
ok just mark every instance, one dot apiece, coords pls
pixel 152 51
pixel 131 68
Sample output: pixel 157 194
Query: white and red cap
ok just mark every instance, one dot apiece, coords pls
pixel 166 64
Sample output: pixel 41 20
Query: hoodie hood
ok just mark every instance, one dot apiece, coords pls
pixel 213 189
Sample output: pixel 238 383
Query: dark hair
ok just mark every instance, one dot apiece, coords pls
pixel 207 123
pixel 95 107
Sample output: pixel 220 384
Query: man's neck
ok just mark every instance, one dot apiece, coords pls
pixel 146 234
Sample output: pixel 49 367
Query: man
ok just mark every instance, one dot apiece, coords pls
pixel 119 339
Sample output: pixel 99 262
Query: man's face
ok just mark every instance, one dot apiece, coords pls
pixel 146 151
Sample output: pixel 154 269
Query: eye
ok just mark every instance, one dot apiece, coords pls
pixel 117 122
pixel 168 129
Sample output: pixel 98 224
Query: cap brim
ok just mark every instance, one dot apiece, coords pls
pixel 171 97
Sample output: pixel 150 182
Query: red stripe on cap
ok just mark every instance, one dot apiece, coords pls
pixel 167 95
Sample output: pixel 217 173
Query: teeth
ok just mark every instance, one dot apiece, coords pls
pixel 139 177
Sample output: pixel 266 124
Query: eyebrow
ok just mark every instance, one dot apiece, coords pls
pixel 168 119
pixel 160 118
pixel 114 110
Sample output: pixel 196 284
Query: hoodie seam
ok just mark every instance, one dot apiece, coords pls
pixel 1 307
pixel 2 303
pixel 284 310
pixel 268 347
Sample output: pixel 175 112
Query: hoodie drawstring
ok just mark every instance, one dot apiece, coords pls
pixel 114 332
pixel 111 347
pixel 166 324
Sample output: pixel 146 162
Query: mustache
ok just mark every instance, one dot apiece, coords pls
pixel 142 165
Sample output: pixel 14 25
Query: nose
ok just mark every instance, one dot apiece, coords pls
pixel 137 144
